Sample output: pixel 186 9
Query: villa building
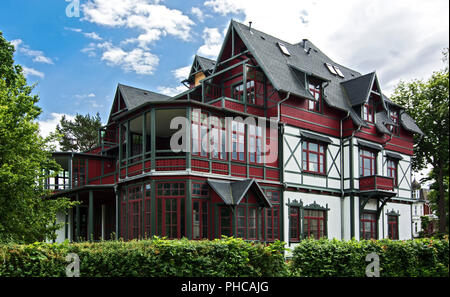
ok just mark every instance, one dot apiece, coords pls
pixel 343 149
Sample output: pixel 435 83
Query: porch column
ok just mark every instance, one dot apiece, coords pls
pixel 91 216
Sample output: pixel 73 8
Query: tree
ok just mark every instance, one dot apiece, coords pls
pixel 79 135
pixel 25 214
pixel 428 104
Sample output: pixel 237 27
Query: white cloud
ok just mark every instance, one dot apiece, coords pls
pixel 92 35
pixel 172 91
pixel 198 13
pixel 181 73
pixel 73 29
pixel 32 72
pixel 137 60
pixel 399 39
pixel 49 125
pixel 38 56
pixel 213 42
pixel 148 16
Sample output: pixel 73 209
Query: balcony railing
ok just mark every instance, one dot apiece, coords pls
pixel 376 183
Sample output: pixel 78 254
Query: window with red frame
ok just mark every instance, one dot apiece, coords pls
pixel 147 210
pixel 199 132
pixel 294 223
pixel 238 92
pixel 255 144
pixel 218 137
pixel 368 226
pixel 392 170
pixel 315 89
pixel 368 112
pixel 170 210
pixel 238 141
pixel 134 211
pixel 199 218
pixel 313 157
pixel 367 160
pixel 393 227
pixel 78 172
pixel 314 223
pixel 225 218
pixel 200 189
pixel 273 223
pixel 394 117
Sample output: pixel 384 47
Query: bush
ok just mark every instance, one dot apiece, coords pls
pixel 157 257
pixel 333 258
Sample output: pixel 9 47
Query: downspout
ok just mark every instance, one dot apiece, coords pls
pixel 342 173
pixel 279 103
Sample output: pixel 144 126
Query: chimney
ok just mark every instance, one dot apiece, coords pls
pixel 304 43
pixel 250 26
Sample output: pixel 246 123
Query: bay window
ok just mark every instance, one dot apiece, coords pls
pixel 367 160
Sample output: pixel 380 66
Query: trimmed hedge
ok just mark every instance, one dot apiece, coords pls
pixel 229 257
pixel 334 258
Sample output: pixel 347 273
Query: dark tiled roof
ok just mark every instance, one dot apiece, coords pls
pixel 381 120
pixel 135 97
pixel 206 64
pixel 358 89
pixel 232 192
pixel 409 124
pixel 278 67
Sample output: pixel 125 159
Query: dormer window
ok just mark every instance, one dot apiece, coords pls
pixel 394 117
pixel 368 112
pixel 316 92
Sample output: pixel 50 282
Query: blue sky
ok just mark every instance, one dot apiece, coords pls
pixel 78 61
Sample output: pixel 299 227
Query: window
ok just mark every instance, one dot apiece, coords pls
pixel 218 138
pixel 255 145
pixel 170 210
pixel 225 221
pixel 338 71
pixel 238 92
pixel 315 89
pixel 79 172
pixel 368 226
pixel 392 170
pixel 294 223
pixel 238 141
pixel 199 189
pixel 283 49
pixel 272 223
pixel 366 162
pixel 241 222
pixel 393 227
pixel 313 157
pixel 134 207
pixel 252 224
pixel 199 132
pixel 331 68
pixel 273 216
pixel 368 112
pixel 394 117
pixel 314 223
pixel 147 210
pixel 199 218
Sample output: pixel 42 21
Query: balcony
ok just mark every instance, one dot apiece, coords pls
pixel 375 185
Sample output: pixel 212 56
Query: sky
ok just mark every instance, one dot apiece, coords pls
pixel 77 51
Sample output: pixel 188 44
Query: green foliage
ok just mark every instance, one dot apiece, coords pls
pixel 334 258
pixel 427 103
pixel 79 135
pixel 229 257
pixel 24 215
